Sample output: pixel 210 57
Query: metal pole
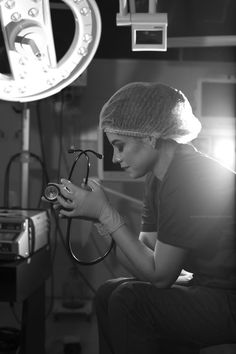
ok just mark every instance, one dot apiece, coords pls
pixel 123 7
pixel 152 8
pixel 25 157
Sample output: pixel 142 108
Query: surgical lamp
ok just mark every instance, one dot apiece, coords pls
pixel 29 42
pixel 149 30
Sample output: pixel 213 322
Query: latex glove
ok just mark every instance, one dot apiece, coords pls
pixel 184 277
pixel 93 203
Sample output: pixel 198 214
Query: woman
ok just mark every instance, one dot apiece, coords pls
pixel 187 224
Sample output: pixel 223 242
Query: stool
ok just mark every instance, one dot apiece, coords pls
pixel 220 349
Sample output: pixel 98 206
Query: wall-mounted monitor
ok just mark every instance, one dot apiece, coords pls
pixel 216 101
pixel 152 38
pixel 149 32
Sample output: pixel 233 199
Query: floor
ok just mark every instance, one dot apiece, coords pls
pixel 74 329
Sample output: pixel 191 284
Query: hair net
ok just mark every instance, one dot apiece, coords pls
pixel 144 109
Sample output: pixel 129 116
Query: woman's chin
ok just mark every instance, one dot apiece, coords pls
pixel 135 174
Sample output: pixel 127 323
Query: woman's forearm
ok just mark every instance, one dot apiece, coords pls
pixel 137 257
pixel 125 262
pixel 121 257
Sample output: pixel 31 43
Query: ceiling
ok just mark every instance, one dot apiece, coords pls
pixel 186 18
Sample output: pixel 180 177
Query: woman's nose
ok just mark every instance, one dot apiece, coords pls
pixel 116 158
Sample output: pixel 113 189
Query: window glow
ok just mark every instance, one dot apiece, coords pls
pixel 224 151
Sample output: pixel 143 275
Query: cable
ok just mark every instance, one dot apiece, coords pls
pixel 94 236
pixel 21 154
pixel 74 257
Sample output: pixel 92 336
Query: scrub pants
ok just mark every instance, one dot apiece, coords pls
pixel 135 317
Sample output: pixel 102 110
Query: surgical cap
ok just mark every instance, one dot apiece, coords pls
pixel 142 109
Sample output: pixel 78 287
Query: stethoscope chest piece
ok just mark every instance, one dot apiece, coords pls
pixel 51 192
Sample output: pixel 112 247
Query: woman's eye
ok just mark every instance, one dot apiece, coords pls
pixel 119 147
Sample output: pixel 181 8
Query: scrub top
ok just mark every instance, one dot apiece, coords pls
pixel 193 208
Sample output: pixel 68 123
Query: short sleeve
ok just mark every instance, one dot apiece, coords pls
pixel 175 222
pixel 149 216
pixel 195 203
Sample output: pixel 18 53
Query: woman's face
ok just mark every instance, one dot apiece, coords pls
pixel 135 155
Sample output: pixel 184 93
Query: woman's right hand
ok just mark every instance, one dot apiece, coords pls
pixel 86 201
pixel 92 204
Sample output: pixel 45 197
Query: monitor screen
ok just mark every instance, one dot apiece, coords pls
pixel 217 98
pixel 149 36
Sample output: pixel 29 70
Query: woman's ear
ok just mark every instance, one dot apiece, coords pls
pixel 152 141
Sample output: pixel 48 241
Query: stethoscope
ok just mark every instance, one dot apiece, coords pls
pixel 52 191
